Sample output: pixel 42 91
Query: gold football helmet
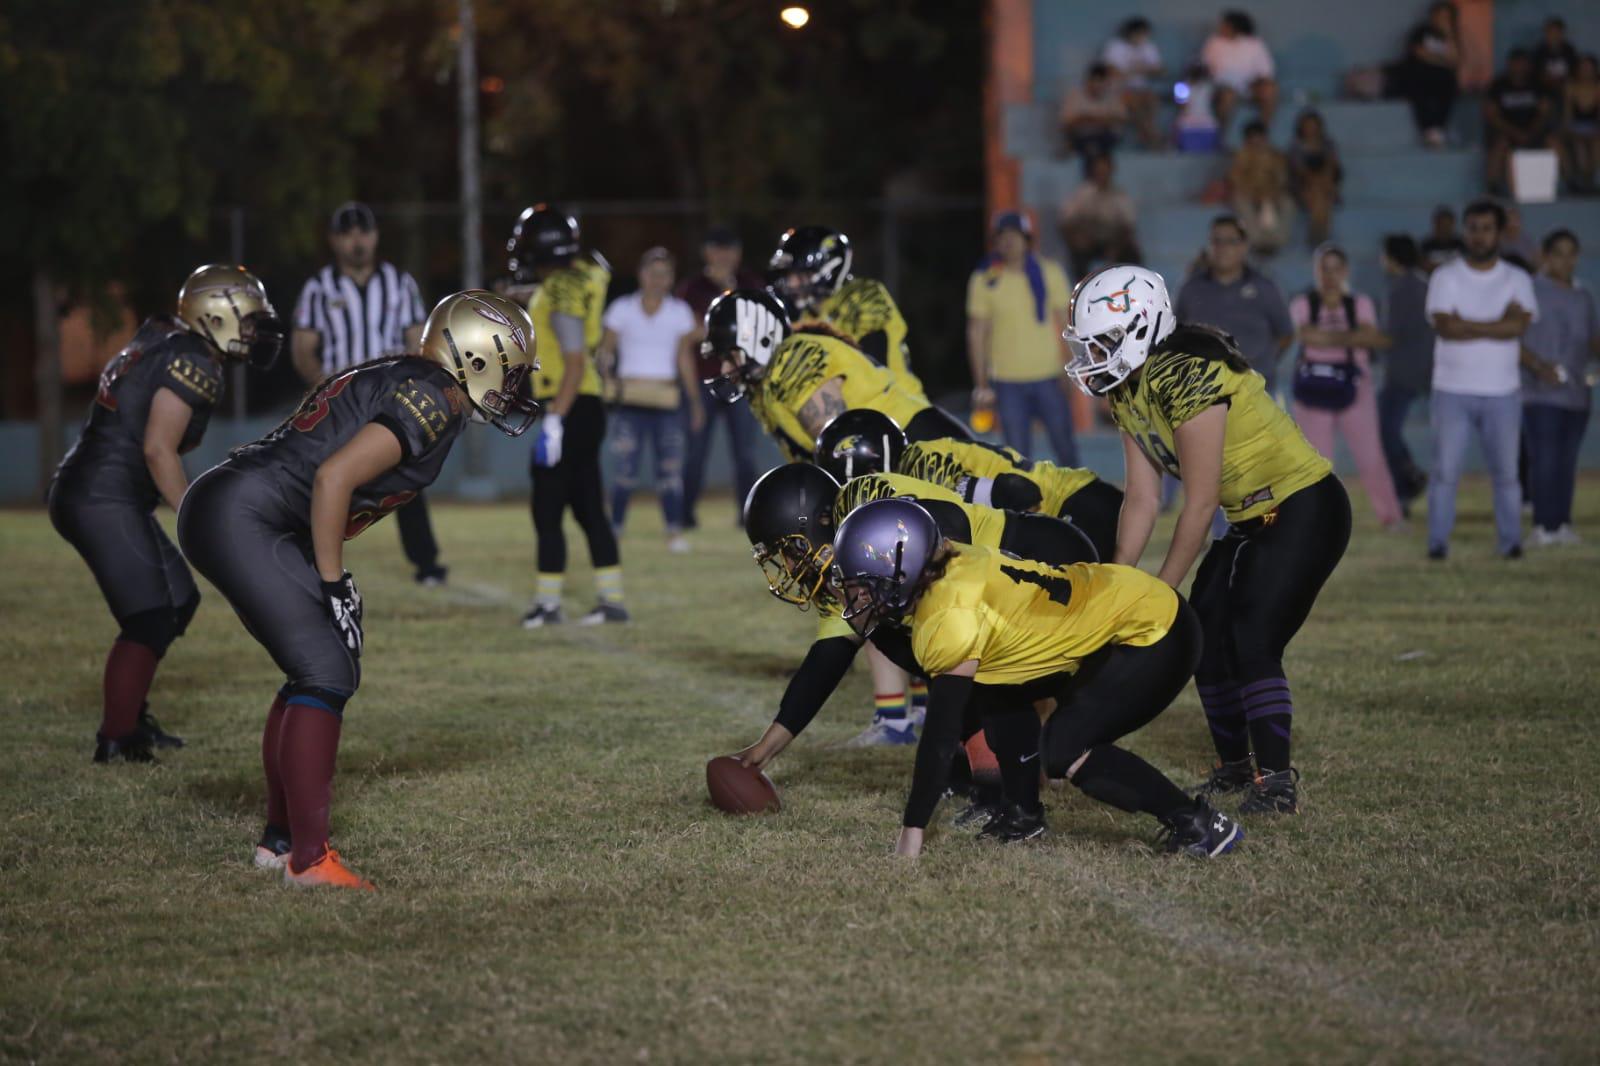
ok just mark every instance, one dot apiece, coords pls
pixel 486 341
pixel 228 306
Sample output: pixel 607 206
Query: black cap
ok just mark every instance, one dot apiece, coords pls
pixel 1016 220
pixel 352 214
pixel 722 237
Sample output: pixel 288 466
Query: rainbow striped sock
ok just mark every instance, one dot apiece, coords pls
pixel 608 583
pixel 890 706
pixel 919 696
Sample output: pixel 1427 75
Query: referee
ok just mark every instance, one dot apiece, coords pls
pixel 354 311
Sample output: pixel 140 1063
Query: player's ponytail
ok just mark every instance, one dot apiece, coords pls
pixel 1207 342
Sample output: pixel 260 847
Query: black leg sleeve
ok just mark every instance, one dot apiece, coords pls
pixel 1013 736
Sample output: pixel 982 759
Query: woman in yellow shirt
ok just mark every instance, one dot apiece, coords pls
pixel 1188 404
pixel 1112 645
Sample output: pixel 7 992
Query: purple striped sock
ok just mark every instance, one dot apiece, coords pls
pixel 1269 709
pixel 1225 714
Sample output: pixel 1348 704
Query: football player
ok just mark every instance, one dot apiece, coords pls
pixel 810 272
pixel 865 442
pixel 1111 644
pixel 800 379
pixel 567 301
pixel 1189 405
pixel 154 403
pixel 268 526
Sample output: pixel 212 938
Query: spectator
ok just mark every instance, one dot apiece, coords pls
pixel 1134 60
pixel 644 360
pixel 360 309
pixel 1228 293
pixel 1578 138
pixel 1408 369
pixel 1259 180
pixel 1554 58
pixel 1555 388
pixel 1195 129
pixel 1338 330
pixel 1442 243
pixel 1098 220
pixel 1241 66
pixel 1516 247
pixel 720 254
pixel 1093 114
pixel 1480 305
pixel 1515 115
pixel 1017 306
pixel 1427 76
pixel 1315 173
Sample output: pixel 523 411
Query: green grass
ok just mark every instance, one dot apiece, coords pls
pixel 554 886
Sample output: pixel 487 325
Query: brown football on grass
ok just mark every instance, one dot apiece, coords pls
pixel 737 789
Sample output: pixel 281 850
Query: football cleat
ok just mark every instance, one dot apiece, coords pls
pixel 883 733
pixel 151 730
pixel 1227 778
pixel 539 616
pixel 1199 830
pixel 1274 793
pixel 605 614
pixel 272 850
pixel 1015 825
pixel 433 577
pixel 329 870
pixel 135 747
pixel 978 814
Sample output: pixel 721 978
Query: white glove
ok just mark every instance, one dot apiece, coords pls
pixel 344 605
pixel 547 449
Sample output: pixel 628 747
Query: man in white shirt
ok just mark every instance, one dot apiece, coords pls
pixel 1241 66
pixel 648 370
pixel 1480 306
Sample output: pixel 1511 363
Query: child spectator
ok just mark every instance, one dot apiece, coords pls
pixel 1515 115
pixel 1093 115
pixel 1240 64
pixel 1578 136
pixel 1196 126
pixel 1426 77
pixel 1314 173
pixel 1259 180
pixel 1134 60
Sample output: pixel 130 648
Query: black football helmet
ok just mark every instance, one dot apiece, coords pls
pixel 821 255
pixel 859 442
pixel 788 517
pixel 541 236
pixel 744 328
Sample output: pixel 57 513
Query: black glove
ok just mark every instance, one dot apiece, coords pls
pixel 1013 492
pixel 344 605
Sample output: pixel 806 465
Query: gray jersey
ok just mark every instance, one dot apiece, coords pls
pixel 416 399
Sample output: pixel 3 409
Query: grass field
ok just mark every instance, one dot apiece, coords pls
pixel 555 888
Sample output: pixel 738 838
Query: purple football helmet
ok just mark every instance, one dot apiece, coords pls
pixel 879 553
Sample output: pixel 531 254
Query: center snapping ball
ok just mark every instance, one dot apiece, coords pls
pixel 737 789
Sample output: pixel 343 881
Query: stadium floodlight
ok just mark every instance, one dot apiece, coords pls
pixel 794 16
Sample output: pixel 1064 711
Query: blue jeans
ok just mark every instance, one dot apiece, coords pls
pixel 1394 402
pixel 1553 435
pixel 1497 423
pixel 742 442
pixel 1018 403
pixel 631 428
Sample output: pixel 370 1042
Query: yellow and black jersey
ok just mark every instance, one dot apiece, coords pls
pixel 578 290
pixel 864 309
pixel 956 463
pixel 803 363
pixel 1265 458
pixel 1023 620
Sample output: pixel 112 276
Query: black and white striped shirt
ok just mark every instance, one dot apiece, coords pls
pixel 359 323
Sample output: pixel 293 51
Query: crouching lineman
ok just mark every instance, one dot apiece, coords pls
pixel 1111 644
pixel 867 442
pixel 268 527
pixel 154 402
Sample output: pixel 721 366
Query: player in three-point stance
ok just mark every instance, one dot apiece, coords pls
pixel 154 403
pixel 1188 404
pixel 268 527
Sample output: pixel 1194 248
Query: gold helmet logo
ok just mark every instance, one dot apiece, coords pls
pixel 228 306
pixel 486 342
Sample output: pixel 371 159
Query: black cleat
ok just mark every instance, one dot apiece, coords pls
pixel 134 747
pixel 1273 794
pixel 1226 779
pixel 1199 830
pixel 977 815
pixel 1015 825
pixel 151 730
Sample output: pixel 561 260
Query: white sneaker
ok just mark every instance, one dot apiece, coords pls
pixel 540 615
pixel 1540 537
pixel 1567 535
pixel 678 544
pixel 884 734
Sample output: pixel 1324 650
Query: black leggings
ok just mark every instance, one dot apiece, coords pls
pixel 935 423
pixel 1256 585
pixel 574 482
pixel 1096 509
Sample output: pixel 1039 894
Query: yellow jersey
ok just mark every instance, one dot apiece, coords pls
pixel 952 463
pixel 578 290
pixel 1265 458
pixel 864 309
pixel 1023 620
pixel 803 363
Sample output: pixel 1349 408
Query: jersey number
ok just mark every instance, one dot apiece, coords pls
pixel 315 409
pixel 1059 589
pixel 360 520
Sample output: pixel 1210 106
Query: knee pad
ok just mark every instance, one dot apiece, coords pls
pixel 326 699
pixel 184 613
pixel 155 629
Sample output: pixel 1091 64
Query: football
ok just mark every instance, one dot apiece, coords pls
pixel 737 789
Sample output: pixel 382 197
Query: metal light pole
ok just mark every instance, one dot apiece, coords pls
pixel 476 484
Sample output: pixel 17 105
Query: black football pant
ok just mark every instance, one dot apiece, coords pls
pixel 1096 509
pixel 935 423
pixel 1047 540
pixel 574 482
pixel 416 537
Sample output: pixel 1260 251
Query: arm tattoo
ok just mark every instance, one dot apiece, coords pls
pixel 826 404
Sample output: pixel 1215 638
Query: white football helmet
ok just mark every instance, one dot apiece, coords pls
pixel 1119 313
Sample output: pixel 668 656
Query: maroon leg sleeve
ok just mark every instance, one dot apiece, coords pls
pixel 130 668
pixel 307 747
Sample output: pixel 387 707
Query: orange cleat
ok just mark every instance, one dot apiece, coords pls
pixel 328 870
